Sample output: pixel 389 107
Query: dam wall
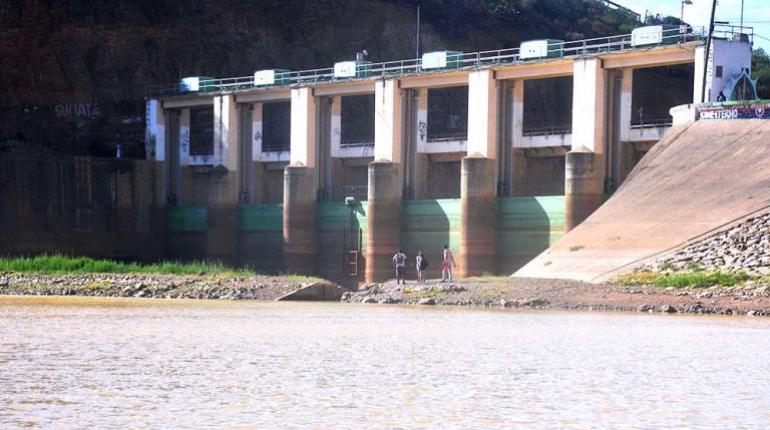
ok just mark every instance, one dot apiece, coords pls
pixel 110 208
pixel 82 205
pixel 525 226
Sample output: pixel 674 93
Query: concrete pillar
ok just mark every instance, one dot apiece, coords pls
pixel 388 119
pixel 226 132
pixel 584 175
pixel 257 176
pixel 517 127
pixel 299 219
pixel 700 63
pixel 478 183
pixel 385 183
pixel 518 154
pixel 626 104
pixel 184 137
pixel 155 131
pixel 222 232
pixel 300 186
pixel 302 151
pixel 478 215
pixel 588 105
pixel 383 219
pixel 519 172
pixel 583 186
pixel 483 121
pixel 422 158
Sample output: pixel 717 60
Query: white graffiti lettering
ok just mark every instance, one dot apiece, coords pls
pixel 78 110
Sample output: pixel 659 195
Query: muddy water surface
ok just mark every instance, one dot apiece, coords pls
pixel 117 363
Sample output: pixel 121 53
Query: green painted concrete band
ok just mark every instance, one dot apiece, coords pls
pixel 525 227
pixel 261 217
pixel 430 224
pixel 186 219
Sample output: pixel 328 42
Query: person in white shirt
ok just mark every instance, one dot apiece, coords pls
pixel 421 264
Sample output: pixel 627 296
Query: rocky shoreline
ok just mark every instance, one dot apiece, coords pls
pixel 744 247
pixel 152 286
pixel 750 299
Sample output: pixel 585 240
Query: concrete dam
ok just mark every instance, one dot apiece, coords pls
pixel 496 154
pixel 703 177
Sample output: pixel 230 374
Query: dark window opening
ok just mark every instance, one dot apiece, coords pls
pixel 658 89
pixel 357 121
pixel 547 106
pixel 719 71
pixel 447 114
pixel 276 126
pixel 202 130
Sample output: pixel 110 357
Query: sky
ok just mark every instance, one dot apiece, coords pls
pixel 756 13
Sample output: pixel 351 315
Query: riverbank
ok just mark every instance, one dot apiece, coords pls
pixel 169 286
pixel 748 299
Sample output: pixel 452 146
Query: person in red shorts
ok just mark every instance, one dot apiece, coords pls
pixel 447 265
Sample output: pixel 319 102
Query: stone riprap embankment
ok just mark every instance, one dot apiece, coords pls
pixel 749 299
pixel 152 286
pixel 742 248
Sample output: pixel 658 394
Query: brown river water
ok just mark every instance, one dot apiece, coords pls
pixel 125 363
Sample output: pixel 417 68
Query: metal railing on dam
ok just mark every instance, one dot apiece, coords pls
pixel 458 61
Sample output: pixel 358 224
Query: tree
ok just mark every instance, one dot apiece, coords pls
pixel 760 69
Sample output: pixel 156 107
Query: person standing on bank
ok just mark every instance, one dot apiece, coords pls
pixel 447 265
pixel 422 264
pixel 399 262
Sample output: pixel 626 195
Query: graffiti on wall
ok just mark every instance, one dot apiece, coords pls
pixel 754 111
pixel 78 110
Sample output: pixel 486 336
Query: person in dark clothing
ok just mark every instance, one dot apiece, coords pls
pixel 399 262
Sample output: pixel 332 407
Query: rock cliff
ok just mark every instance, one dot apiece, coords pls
pixel 74 72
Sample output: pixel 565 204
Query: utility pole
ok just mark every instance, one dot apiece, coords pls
pixel 417 44
pixel 741 16
pixel 708 51
pixel 681 10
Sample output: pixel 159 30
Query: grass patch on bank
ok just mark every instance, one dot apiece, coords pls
pixel 63 265
pixel 686 279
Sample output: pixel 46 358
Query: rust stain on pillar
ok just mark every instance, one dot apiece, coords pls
pixel 478 217
pixel 383 219
pixel 299 198
pixel 583 186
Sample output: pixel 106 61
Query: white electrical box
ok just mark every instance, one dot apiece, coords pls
pixel 195 83
pixel 352 69
pixel 345 69
pixel 271 77
pixel 544 48
pixel 650 35
pixel 441 60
